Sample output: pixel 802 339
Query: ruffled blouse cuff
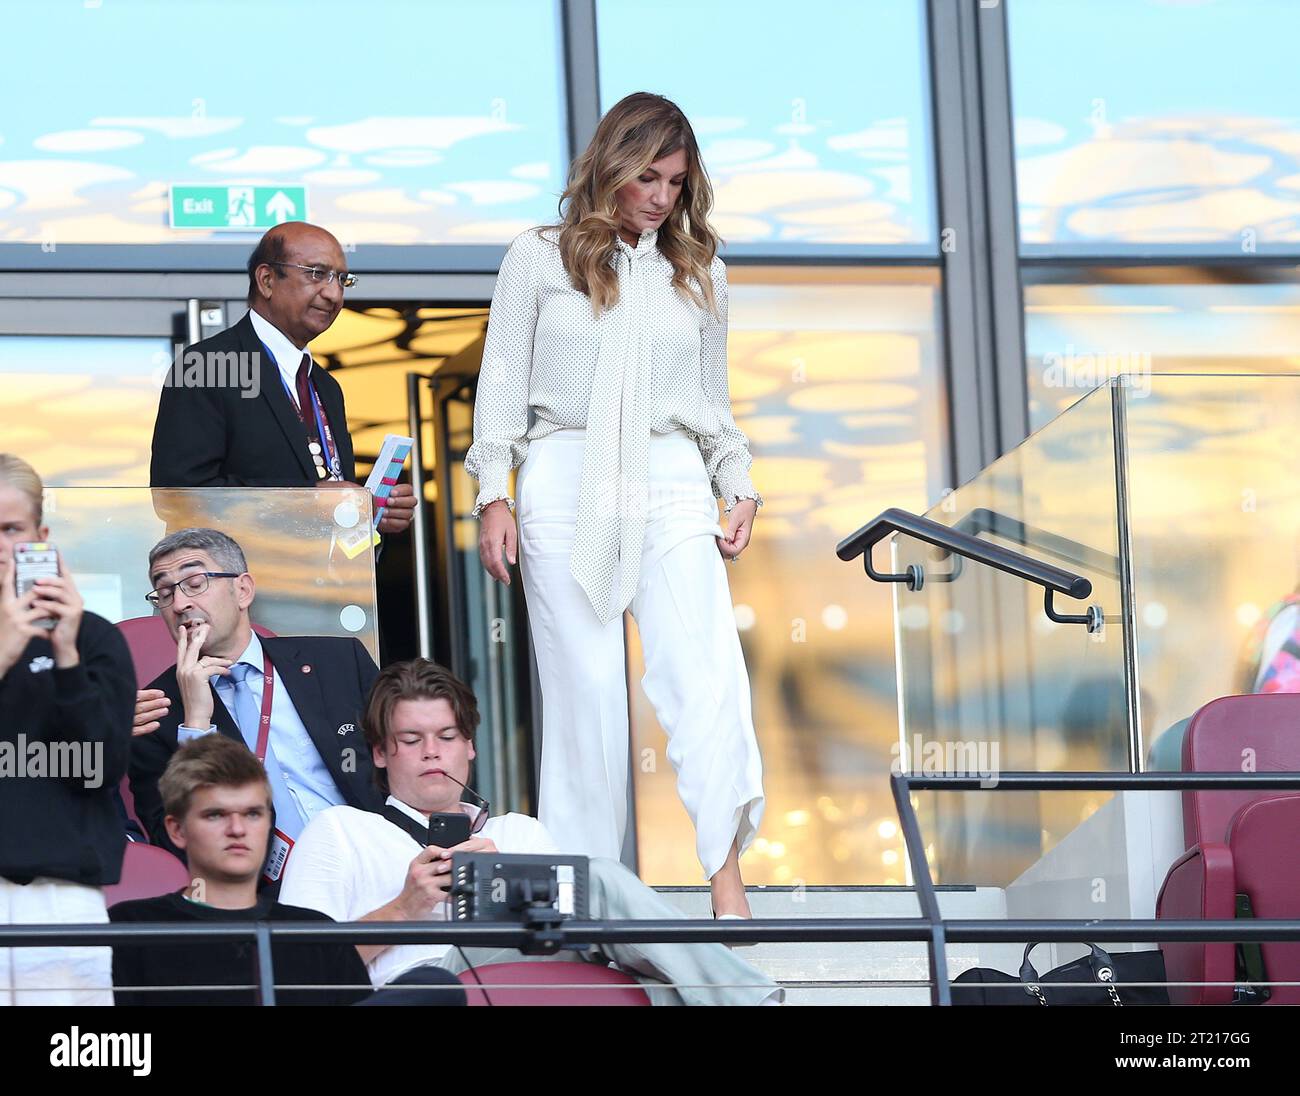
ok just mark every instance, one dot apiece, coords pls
pixel 732 482
pixel 486 500
pixel 731 501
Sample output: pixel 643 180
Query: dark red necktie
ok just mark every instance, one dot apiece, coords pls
pixel 304 396
pixel 307 412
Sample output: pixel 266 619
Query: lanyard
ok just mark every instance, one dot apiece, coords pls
pixel 264 724
pixel 323 430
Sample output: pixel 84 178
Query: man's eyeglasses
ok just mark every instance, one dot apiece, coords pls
pixel 190 585
pixel 324 274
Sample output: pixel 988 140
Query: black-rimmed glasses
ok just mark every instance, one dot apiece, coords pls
pixel 323 274
pixel 484 810
pixel 191 585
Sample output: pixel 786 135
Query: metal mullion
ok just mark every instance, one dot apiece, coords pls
pixel 1003 253
pixel 1124 546
pixel 581 72
pixel 966 325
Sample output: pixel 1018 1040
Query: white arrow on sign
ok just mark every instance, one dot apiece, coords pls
pixel 280 207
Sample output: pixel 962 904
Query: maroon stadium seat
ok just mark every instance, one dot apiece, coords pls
pixel 532 984
pixel 147 872
pixel 1238 842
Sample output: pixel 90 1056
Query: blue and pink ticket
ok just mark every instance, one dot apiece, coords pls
pixel 387 469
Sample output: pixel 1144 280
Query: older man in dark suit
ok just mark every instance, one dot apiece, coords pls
pixel 282 422
pixel 295 701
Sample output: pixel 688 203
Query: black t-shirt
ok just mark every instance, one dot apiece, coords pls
pixel 75 722
pixel 231 963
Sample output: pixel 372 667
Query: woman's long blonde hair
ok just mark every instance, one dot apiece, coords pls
pixel 638 130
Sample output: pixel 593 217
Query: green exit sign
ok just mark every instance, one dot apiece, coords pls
pixel 236 208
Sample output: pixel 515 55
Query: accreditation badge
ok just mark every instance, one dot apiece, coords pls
pixel 277 857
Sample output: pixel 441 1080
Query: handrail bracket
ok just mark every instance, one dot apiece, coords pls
pixel 1092 618
pixel 914 576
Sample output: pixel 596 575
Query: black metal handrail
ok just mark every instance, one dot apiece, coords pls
pixel 930 927
pixel 984 520
pixel 466 934
pixel 565 935
pixel 1053 579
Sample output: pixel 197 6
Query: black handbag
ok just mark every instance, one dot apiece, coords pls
pixel 1108 977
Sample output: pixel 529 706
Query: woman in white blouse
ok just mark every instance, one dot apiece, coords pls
pixel 605 378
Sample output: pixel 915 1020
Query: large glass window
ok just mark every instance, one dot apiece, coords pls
pixel 1081 331
pixel 80 408
pixel 426 121
pixel 1153 122
pixel 836 381
pixel 813 121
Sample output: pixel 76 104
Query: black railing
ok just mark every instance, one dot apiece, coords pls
pixel 983 520
pixel 1053 579
pixel 469 934
pixel 929 928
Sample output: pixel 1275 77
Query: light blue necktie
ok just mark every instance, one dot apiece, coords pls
pixel 248 715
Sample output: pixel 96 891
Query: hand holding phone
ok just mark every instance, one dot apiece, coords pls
pixel 58 598
pixel 33 561
pixel 19 619
pixel 448 830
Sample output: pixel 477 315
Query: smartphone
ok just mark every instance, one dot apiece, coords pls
pixel 448 830
pixel 33 561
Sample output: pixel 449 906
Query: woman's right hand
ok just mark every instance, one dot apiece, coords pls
pixel 497 531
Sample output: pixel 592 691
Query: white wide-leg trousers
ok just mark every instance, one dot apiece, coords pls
pixel 695 674
pixel 64 975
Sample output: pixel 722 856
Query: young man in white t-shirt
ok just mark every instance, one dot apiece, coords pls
pixel 355 865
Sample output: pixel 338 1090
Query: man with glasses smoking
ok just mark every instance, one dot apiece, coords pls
pixel 286 427
pixel 294 701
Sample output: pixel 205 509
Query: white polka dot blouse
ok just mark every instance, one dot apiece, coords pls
pixel 544 351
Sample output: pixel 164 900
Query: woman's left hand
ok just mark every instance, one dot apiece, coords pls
pixel 57 597
pixel 740 524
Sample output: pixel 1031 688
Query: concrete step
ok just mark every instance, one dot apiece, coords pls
pixel 866 973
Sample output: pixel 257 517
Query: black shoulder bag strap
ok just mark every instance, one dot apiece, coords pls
pixel 407 824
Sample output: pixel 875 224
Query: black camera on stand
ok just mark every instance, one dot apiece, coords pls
pixel 538 892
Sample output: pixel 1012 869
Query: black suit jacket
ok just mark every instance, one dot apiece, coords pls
pixel 327 679
pixel 214 437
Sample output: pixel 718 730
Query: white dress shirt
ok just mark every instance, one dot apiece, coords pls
pixel 288 358
pixel 655 362
pixel 348 862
